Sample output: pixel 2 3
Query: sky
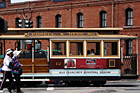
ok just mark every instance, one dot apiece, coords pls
pixel 17 1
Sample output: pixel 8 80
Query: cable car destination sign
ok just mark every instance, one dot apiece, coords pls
pixel 61 34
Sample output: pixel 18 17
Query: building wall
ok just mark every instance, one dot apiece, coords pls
pixel 68 10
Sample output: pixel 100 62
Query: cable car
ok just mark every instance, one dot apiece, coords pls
pixel 92 55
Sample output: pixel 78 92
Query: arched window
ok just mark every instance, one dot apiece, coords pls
pixel 129 17
pixel 39 22
pixel 18 22
pixel 80 20
pixel 58 21
pixel 103 19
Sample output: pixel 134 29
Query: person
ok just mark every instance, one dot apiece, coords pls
pixel 6 69
pixel 92 52
pixel 70 54
pixel 88 52
pixel 17 70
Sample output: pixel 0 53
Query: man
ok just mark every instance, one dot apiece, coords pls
pixel 92 52
pixel 7 71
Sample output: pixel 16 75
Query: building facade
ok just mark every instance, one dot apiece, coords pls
pixel 77 14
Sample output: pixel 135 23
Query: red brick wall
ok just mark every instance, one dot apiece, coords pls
pixel 91 46
pixel 8 44
pixel 44 44
pixel 73 48
pixel 108 48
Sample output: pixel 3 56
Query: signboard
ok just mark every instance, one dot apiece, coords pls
pixel 60 0
pixel 61 34
pixel 91 63
pixel 70 63
pixel 85 72
pixel 78 63
pixel 3 5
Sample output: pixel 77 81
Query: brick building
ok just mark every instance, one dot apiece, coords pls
pixel 77 14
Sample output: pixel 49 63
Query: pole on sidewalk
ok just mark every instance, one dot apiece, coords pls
pixel 33 56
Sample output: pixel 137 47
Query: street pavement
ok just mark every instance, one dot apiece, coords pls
pixel 123 86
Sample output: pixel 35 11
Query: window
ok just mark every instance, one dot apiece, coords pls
pixel 93 48
pixel 111 48
pixel 129 46
pixel 30 46
pixel 58 48
pixel 58 21
pixel 26 46
pixel 80 20
pixel 37 45
pixel 103 19
pixel 76 48
pixel 39 22
pixel 129 17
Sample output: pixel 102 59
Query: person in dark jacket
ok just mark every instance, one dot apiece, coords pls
pixel 17 70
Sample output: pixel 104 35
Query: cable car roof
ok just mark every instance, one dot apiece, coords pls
pixel 64 33
pixel 63 29
pixel 16 37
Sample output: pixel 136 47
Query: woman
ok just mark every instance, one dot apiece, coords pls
pixel 17 70
pixel 6 69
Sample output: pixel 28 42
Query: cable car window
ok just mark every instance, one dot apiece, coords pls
pixel 37 45
pixel 110 48
pixel 59 48
pixel 26 46
pixel 76 48
pixel 40 50
pixel 93 48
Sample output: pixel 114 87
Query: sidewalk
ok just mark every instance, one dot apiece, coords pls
pixel 125 80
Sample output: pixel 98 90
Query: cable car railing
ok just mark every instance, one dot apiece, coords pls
pixel 129 65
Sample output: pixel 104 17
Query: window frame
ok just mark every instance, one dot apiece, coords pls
pixel 118 47
pixel 58 22
pixel 100 41
pixel 36 44
pixel 103 19
pixel 56 41
pixel 39 24
pixel 129 16
pixel 75 42
pixel 80 20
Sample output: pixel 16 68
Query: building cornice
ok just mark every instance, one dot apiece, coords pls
pixel 58 6
pixel 131 27
pixel 55 6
